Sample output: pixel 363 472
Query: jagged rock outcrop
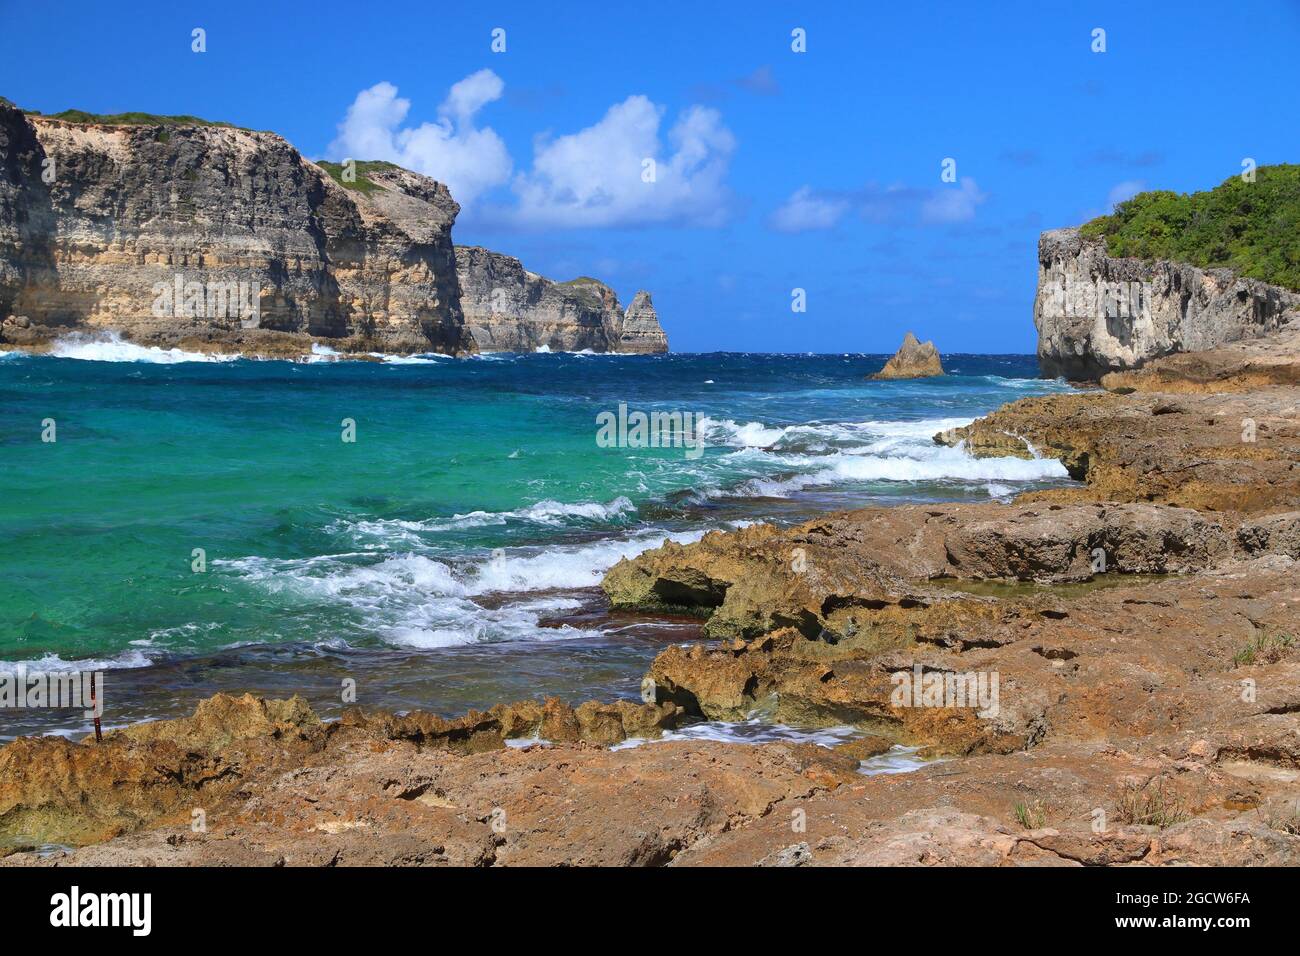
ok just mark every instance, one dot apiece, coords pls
pixel 509 309
pixel 912 360
pixel 1096 314
pixel 219 238
pixel 641 331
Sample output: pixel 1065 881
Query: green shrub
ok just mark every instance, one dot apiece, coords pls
pixel 1250 228
pixel 131 119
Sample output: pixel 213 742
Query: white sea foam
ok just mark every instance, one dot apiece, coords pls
pixel 544 512
pixel 918 463
pixel 549 513
pixel 758 435
pixel 759 730
pixel 820 455
pixel 580 566
pixel 896 759
pixel 424 358
pixel 749 435
pixel 53 663
pixel 418 601
pixel 322 353
pixel 110 347
pixel 1051 384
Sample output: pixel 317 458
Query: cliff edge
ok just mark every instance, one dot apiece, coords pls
pixel 1097 314
pixel 510 309
pixel 172 231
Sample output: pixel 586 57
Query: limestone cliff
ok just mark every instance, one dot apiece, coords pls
pixel 210 236
pixel 508 308
pixel 1096 314
pixel 169 234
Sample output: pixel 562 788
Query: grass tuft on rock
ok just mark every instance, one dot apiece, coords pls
pixel 363 183
pixel 1151 806
pixel 1031 816
pixel 1266 648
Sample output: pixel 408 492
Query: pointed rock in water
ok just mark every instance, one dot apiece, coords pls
pixel 913 360
pixel 641 331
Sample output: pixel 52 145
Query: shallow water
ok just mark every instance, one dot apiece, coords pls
pixel 447 558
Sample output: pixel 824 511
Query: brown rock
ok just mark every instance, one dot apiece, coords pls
pixel 912 360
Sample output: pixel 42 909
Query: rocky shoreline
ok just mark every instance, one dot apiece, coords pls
pixel 1140 631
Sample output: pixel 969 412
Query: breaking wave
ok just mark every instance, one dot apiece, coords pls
pixel 53 663
pixel 415 600
pixel 110 347
pixel 544 513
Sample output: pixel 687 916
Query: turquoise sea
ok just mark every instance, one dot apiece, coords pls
pixel 201 525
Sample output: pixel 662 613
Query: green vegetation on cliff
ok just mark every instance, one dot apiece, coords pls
pixel 1250 228
pixel 363 183
pixel 130 119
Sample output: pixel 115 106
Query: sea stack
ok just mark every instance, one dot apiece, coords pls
pixel 913 360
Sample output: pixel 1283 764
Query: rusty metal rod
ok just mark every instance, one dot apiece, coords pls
pixel 94 707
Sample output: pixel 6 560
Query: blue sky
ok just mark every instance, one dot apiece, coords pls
pixel 774 170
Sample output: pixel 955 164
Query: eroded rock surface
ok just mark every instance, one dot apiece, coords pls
pixel 1096 314
pixel 1218 451
pixel 912 360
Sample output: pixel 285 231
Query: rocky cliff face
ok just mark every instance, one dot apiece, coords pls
pixel 508 308
pixel 1095 314
pixel 222 238
pixel 167 234
pixel 641 331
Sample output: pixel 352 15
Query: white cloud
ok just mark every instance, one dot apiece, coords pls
pixel 594 177
pixel 1122 191
pixel 809 209
pixel 597 176
pixel 453 150
pixel 953 205
pixel 806 210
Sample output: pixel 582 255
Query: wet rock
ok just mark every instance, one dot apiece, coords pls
pixel 856 576
pixel 864 748
pixel 1219 452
